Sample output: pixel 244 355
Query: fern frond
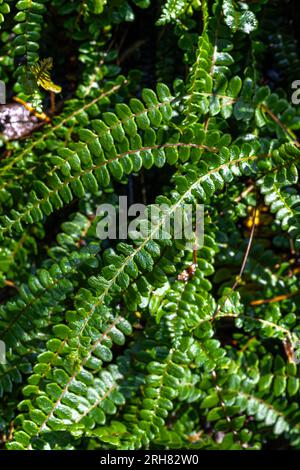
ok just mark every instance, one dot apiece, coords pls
pixel 41 72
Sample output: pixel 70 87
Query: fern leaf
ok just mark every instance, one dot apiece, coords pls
pixel 41 72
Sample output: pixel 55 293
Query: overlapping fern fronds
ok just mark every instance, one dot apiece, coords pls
pixel 129 344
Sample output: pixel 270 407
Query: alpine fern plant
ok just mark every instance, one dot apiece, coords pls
pixel 146 344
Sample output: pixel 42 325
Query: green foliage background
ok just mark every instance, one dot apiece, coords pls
pixel 177 101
